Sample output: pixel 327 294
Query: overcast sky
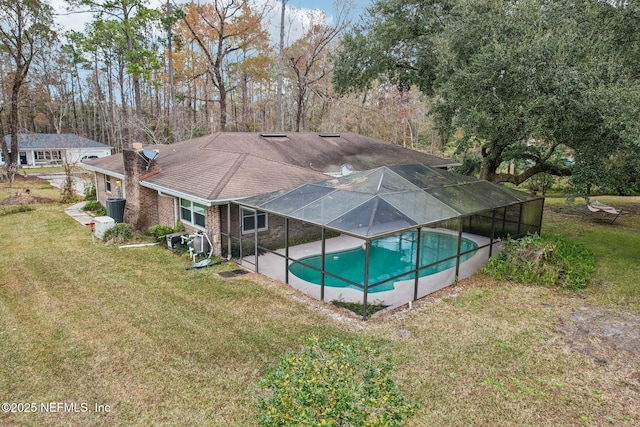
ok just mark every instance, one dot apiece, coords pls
pixel 298 12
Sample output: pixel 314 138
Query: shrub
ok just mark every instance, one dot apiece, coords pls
pixel 121 233
pixel 92 205
pixel 159 231
pixel 90 191
pixel 95 207
pixel 331 383
pixel 549 260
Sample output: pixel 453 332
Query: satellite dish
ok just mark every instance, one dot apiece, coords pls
pixel 150 154
pixel 346 169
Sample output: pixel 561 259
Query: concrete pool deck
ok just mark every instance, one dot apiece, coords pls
pixel 273 266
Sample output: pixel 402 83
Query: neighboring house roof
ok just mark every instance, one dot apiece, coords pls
pixel 46 141
pixel 232 165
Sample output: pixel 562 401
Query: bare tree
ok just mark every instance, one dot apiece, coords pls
pixel 308 56
pixel 280 70
pixel 219 29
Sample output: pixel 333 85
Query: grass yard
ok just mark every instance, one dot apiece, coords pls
pixel 94 326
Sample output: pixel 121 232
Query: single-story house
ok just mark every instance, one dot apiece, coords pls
pixel 41 149
pixel 296 197
pixel 195 181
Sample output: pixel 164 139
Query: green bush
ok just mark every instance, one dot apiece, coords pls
pixel 550 260
pixel 92 205
pixel 159 231
pixel 90 191
pixel 330 384
pixel 95 207
pixel 121 233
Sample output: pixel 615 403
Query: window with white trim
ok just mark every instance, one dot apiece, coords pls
pixel 249 219
pixel 192 212
pixel 107 183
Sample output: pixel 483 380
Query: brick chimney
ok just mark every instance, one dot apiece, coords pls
pixel 141 207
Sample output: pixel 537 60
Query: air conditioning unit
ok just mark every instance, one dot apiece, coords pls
pixel 101 224
pixel 174 239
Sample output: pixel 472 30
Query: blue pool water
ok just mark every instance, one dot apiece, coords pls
pixel 389 256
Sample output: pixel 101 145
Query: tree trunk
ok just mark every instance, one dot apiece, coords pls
pixel 12 160
pixel 245 103
pixel 139 136
pixel 125 110
pixel 172 87
pixel 280 71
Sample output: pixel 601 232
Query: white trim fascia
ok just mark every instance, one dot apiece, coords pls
pixel 183 195
pixel 102 171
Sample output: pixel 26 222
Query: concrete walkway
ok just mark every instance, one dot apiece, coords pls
pixel 57 179
pixel 76 212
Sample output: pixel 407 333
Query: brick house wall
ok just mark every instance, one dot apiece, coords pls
pixel 167 210
pixel 101 191
pixel 272 238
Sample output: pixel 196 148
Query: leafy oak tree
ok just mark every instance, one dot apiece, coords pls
pixel 529 82
pixel 25 32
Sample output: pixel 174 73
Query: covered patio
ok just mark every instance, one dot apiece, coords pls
pixel 405 212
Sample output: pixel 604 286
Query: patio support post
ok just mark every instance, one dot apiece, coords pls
pixel 493 232
pixel 540 222
pixel 229 230
pixel 520 219
pixel 286 250
pixel 366 278
pixel 504 220
pixel 322 265
pixel 240 230
pixel 459 249
pixel 255 236
pixel 417 269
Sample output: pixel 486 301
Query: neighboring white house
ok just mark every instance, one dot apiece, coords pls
pixel 41 149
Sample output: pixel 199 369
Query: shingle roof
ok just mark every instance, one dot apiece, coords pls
pixel 52 141
pixel 233 165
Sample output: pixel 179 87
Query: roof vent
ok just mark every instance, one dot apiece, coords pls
pixel 273 135
pixel 329 135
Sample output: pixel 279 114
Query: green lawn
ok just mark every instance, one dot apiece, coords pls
pixel 84 323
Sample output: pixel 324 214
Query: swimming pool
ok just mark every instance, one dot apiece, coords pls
pixel 389 257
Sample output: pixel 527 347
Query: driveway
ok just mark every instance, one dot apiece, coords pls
pixel 57 179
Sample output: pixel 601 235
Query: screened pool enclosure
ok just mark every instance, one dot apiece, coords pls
pixel 387 236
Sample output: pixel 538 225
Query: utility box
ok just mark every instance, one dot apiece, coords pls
pixel 174 239
pixel 102 224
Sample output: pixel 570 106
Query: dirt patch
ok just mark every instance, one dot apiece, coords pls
pixel 603 334
pixel 583 211
pixel 24 199
pixel 22 194
pixel 233 273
